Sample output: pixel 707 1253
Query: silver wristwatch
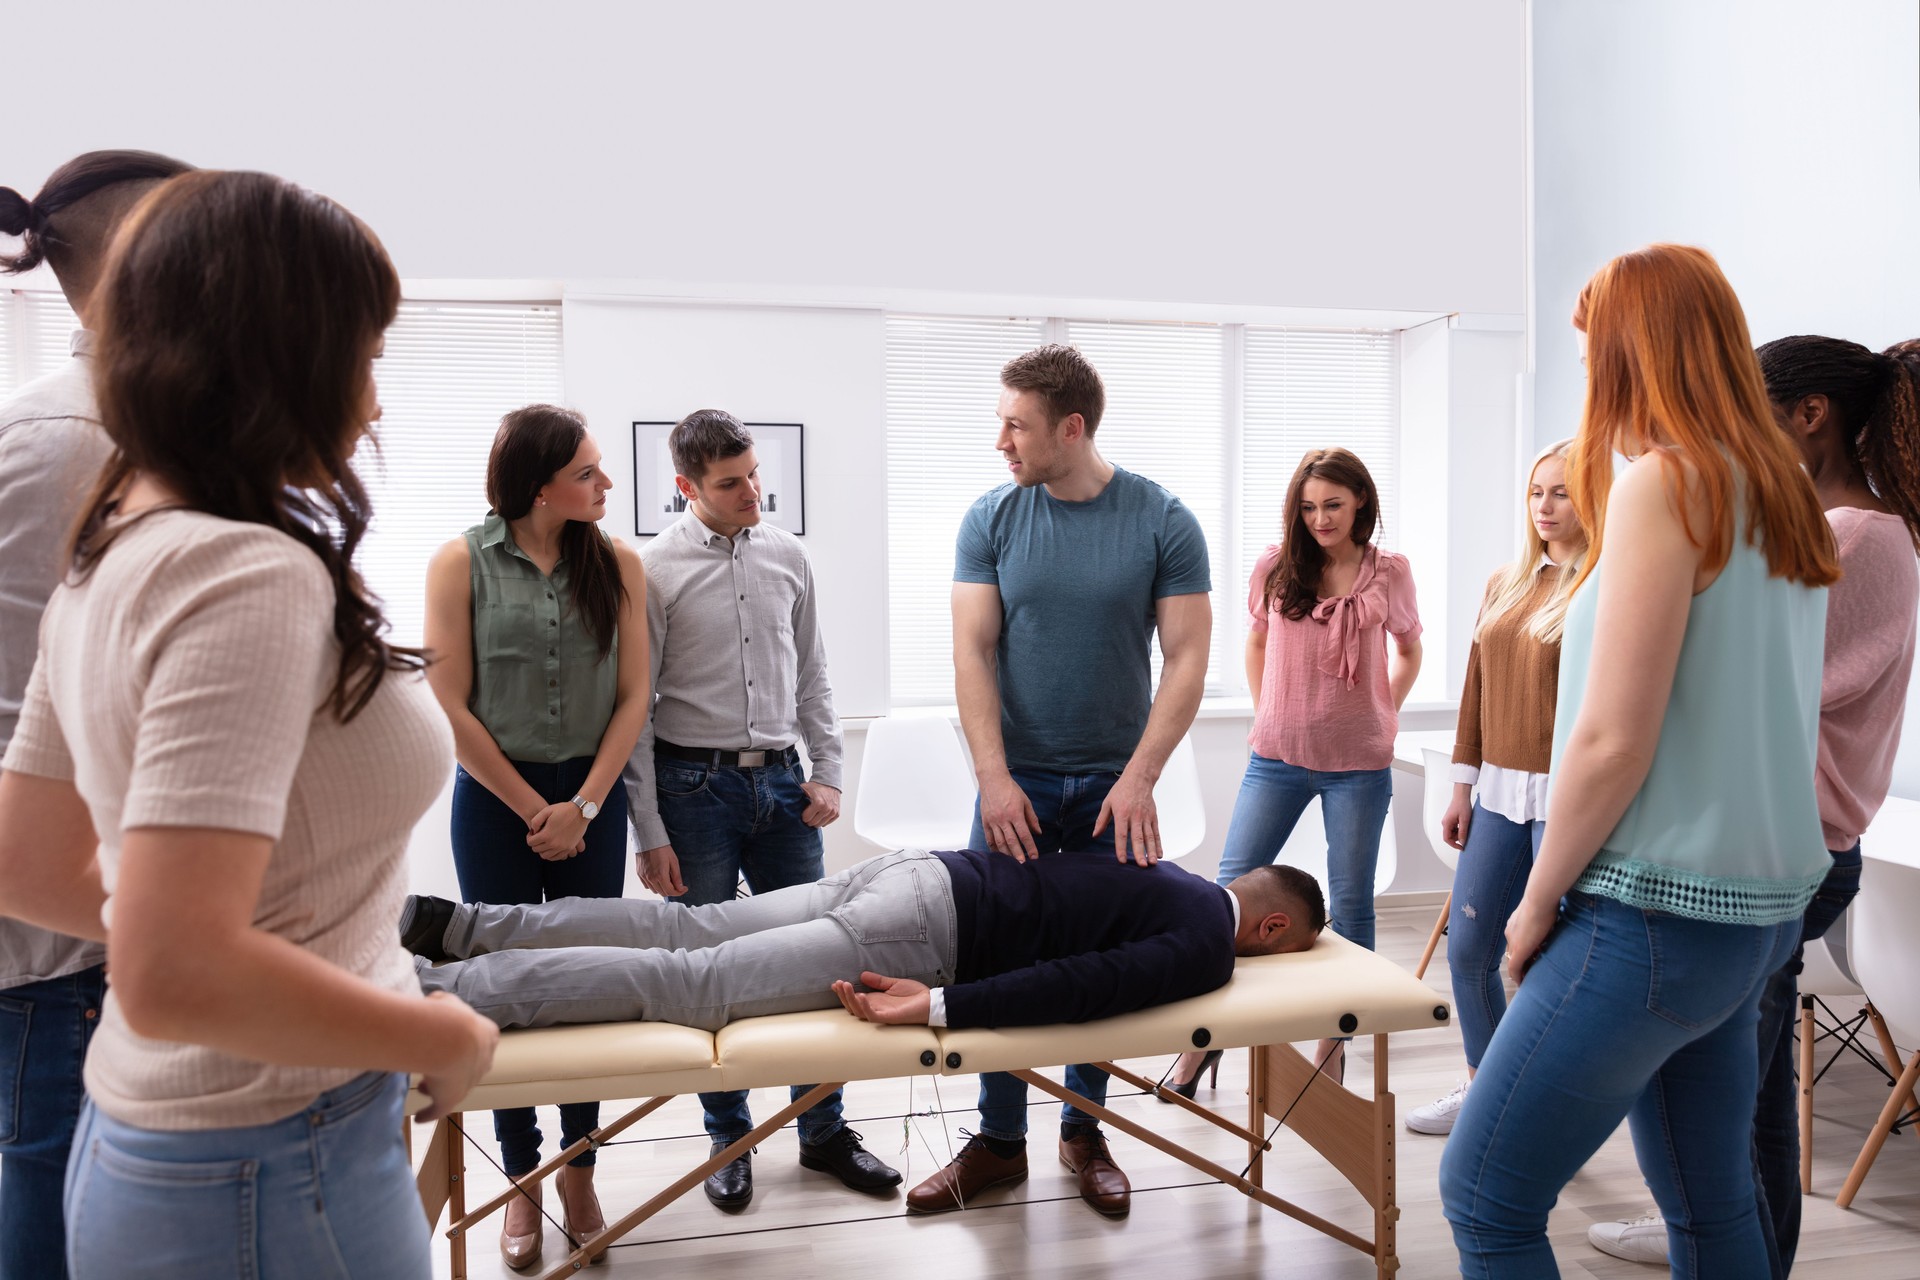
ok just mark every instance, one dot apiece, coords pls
pixel 588 809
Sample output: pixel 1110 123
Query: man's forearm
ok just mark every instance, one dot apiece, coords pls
pixel 978 693
pixel 1183 681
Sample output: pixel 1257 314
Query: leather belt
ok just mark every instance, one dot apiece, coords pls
pixel 715 758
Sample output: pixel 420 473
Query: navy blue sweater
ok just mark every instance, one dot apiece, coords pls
pixel 1070 937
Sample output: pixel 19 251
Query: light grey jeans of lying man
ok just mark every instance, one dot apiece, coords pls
pixel 630 959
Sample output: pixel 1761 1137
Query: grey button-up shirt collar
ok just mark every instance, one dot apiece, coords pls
pixel 737 659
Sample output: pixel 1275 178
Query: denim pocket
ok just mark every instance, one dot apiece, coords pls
pixel 678 781
pixel 16 1016
pixel 134 1215
pixel 890 908
pixel 1700 972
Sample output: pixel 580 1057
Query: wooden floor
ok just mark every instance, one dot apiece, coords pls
pixel 804 1224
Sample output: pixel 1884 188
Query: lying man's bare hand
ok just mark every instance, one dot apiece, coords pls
pixel 897 1001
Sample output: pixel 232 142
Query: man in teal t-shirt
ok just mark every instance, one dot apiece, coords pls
pixel 1060 580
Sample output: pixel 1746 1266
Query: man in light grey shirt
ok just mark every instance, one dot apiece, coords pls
pixel 715 789
pixel 52 448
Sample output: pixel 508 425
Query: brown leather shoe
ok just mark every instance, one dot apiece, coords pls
pixel 1102 1185
pixel 974 1170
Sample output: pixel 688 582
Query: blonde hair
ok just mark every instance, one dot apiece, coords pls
pixel 1512 582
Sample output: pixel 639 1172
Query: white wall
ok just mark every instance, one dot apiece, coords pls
pixel 1286 153
pixel 1783 137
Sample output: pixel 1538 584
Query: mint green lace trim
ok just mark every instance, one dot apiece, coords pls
pixel 1720 899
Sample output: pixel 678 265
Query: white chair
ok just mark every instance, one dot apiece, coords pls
pixel 915 789
pixel 1306 849
pixel 1827 981
pixel 1183 810
pixel 1886 960
pixel 1436 788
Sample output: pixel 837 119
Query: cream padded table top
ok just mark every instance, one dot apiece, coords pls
pixel 1271 1000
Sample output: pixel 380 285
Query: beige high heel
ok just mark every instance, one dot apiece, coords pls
pixel 523 1251
pixel 580 1207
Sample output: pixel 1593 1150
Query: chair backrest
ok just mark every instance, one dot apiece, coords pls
pixel 1436 788
pixel 1885 948
pixel 1183 810
pixel 1306 849
pixel 915 789
pixel 1828 962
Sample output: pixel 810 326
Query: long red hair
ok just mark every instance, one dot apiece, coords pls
pixel 1671 370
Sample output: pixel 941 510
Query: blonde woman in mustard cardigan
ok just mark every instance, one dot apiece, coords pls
pixel 1502 745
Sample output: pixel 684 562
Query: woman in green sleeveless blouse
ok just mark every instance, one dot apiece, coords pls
pixel 536 620
pixel 1685 841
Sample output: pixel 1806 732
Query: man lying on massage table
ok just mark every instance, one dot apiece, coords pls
pixel 966 939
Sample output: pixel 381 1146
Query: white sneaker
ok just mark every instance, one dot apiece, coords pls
pixel 1636 1240
pixel 1438 1117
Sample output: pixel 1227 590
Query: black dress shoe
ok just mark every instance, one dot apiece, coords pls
pixel 731 1185
pixel 844 1158
pixel 423 926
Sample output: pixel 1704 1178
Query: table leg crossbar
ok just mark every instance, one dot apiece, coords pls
pixel 1354 1134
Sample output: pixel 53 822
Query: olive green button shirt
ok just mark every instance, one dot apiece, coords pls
pixel 539 684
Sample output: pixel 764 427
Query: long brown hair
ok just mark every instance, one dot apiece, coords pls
pixel 1670 369
pixel 236 318
pixel 1294 585
pixel 532 445
pixel 1875 403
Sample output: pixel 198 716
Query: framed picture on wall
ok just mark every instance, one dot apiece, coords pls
pixel 779 448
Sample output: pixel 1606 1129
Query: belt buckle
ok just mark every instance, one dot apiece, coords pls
pixel 751 759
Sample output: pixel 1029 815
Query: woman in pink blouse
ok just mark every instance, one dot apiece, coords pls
pixel 1327 689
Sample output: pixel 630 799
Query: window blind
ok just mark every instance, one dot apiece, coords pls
pixel 449 373
pixel 1308 389
pixel 48 341
pixel 1165 420
pixel 943 385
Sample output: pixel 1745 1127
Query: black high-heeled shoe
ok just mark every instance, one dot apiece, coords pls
pixel 1209 1062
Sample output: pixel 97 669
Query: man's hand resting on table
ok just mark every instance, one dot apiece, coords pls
pixel 900 1001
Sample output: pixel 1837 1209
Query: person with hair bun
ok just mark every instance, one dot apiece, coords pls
pixel 51 448
pixel 220 760
pixel 1685 842
pixel 536 621
pixel 1854 414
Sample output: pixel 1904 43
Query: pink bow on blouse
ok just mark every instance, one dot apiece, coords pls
pixel 1349 618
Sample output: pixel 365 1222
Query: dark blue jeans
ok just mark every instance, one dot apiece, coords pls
pixel 1353 806
pixel 490 854
pixel 1067 804
pixel 1776 1118
pixel 726 824
pixel 1487 886
pixel 1627 1014
pixel 44 1030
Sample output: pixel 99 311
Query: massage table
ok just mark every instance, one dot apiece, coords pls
pixel 1334 988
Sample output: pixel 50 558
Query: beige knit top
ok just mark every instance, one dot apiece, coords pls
pixel 1513 679
pixel 177 687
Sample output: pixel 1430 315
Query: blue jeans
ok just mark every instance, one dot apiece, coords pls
pixel 1067 805
pixel 323 1194
pixel 491 856
pixel 1353 805
pixel 726 824
pixel 44 1030
pixel 1626 1014
pixel 1776 1120
pixel 1487 885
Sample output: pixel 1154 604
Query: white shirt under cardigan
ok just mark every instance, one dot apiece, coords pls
pixel 1514 794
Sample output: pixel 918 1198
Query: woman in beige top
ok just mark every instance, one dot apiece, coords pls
pixel 213 698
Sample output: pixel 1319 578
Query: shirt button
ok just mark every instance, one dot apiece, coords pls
pixel 553 684
pixel 743 597
pixel 749 684
pixel 746 639
pixel 92 1014
pixel 553 711
pixel 553 622
pixel 549 653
